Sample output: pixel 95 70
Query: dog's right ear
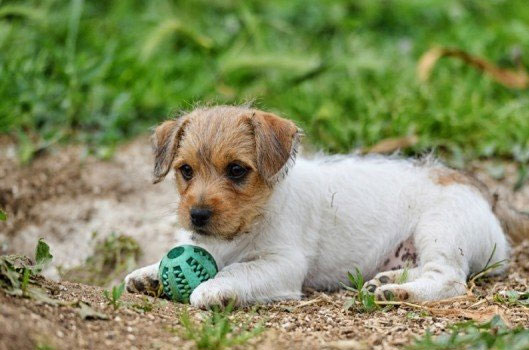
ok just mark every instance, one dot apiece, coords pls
pixel 165 142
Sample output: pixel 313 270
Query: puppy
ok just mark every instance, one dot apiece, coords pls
pixel 276 226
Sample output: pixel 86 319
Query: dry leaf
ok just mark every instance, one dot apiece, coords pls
pixel 482 315
pixel 392 144
pixel 87 313
pixel 516 79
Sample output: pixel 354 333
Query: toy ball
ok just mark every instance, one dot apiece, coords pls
pixel 183 269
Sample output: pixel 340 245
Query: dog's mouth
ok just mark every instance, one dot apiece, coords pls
pixel 202 232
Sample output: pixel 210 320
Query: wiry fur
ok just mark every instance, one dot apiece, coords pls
pixel 328 216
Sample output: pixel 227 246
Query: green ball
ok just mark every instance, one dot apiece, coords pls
pixel 183 269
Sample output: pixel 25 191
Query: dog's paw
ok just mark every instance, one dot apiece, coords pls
pixel 380 279
pixel 144 281
pixel 391 292
pixel 386 286
pixel 211 293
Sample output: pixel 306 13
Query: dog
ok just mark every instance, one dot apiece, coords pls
pixel 277 226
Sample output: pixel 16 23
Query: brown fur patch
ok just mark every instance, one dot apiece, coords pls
pixel 165 141
pixel 274 138
pixel 213 139
pixel 448 177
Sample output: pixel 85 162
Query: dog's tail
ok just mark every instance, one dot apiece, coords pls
pixel 515 223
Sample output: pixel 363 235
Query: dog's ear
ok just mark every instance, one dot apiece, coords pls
pixel 276 141
pixel 165 140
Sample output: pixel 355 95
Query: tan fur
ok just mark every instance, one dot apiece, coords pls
pixel 514 223
pixel 166 140
pixel 209 140
pixel 274 137
pixel 447 177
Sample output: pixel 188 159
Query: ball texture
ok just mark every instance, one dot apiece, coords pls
pixel 183 269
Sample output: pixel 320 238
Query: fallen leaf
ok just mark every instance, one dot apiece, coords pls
pixel 87 313
pixel 482 315
pixel 40 296
pixel 515 79
pixel 393 144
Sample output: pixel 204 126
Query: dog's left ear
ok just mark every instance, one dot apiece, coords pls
pixel 165 142
pixel 276 142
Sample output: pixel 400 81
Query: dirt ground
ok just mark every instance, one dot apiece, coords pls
pixel 68 198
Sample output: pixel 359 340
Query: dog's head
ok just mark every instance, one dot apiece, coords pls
pixel 226 160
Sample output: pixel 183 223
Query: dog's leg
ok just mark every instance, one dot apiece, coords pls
pixel 433 284
pixel 263 280
pixel 452 241
pixel 144 280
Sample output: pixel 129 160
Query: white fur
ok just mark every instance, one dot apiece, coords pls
pixel 331 215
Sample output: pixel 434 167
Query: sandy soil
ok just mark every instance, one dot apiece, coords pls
pixel 66 196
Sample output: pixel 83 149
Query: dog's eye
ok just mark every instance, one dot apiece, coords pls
pixel 187 172
pixel 236 172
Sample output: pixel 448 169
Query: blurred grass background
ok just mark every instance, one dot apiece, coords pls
pixel 99 72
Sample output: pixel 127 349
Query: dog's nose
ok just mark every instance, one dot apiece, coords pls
pixel 200 216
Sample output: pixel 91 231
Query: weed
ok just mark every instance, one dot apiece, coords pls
pixel 362 300
pixel 112 257
pixel 18 275
pixel 493 335
pixel 44 347
pixel 3 215
pixel 403 277
pixel 512 298
pixel 42 255
pixel 114 295
pixel 486 269
pixel 217 331
pixel 146 305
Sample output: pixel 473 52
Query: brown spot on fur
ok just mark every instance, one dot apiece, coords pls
pixel 397 253
pixel 407 256
pixel 448 177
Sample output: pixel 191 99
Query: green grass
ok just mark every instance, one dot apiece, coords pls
pixel 217 331
pixel 362 300
pixel 19 275
pixel 512 298
pixel 493 335
pixel 112 296
pixel 98 72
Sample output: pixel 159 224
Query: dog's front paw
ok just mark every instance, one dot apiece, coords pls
pixel 144 280
pixel 211 293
